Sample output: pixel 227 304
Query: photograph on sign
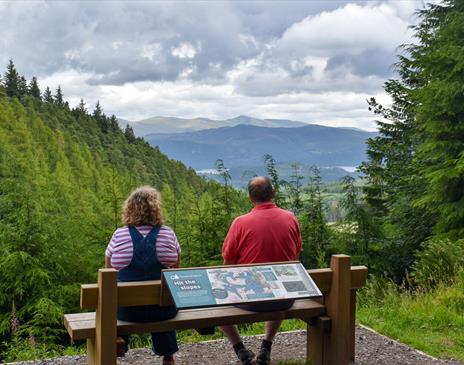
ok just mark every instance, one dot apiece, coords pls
pixel 239 284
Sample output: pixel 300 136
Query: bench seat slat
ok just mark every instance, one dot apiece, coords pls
pixel 82 326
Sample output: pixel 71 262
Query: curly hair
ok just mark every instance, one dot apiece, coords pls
pixel 142 207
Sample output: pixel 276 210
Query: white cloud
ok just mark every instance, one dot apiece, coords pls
pixel 149 51
pixel 184 50
pixel 351 29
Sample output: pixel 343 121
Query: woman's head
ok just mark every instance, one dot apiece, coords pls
pixel 142 207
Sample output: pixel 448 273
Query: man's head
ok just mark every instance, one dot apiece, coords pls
pixel 260 190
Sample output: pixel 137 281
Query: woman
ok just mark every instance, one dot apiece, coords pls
pixel 139 251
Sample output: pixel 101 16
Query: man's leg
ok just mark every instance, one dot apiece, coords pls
pixel 264 355
pixel 232 334
pixel 271 328
pixel 244 355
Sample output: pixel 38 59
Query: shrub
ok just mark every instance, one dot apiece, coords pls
pixel 438 263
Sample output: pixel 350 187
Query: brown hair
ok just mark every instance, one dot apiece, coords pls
pixel 142 207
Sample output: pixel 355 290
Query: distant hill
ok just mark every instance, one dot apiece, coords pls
pixel 245 145
pixel 241 175
pixel 181 125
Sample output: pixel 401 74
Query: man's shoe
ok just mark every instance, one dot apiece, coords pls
pixel 264 357
pixel 168 360
pixel 121 347
pixel 247 357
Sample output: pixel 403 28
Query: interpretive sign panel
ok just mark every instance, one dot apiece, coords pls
pixel 239 284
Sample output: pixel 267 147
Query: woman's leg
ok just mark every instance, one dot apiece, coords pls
pixel 164 343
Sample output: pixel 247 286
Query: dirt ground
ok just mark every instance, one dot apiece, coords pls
pixel 371 349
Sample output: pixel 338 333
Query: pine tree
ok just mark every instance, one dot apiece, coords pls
pixel 12 81
pixel 129 134
pixel 58 98
pixel 113 123
pixel 271 169
pixel 295 188
pixel 314 229
pixel 439 102
pixel 22 87
pixel 97 112
pixel 226 178
pixel 81 107
pixel 34 90
pixel 47 96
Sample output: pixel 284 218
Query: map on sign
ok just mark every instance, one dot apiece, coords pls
pixel 239 284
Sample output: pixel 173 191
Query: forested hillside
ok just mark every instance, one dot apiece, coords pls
pixel 64 173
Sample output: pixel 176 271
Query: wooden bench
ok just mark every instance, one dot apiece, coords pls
pixel 331 319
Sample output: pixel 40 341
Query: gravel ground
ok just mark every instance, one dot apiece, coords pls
pixel 371 349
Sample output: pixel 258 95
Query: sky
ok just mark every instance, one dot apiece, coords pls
pixel 311 61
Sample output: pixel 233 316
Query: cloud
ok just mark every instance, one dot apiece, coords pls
pixel 315 61
pixel 351 48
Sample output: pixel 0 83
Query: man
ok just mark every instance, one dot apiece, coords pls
pixel 266 234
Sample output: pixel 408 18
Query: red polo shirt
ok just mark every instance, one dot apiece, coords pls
pixel 266 234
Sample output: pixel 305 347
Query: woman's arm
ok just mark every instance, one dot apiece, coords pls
pixel 108 262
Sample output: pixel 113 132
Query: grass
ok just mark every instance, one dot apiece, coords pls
pixel 245 330
pixel 432 322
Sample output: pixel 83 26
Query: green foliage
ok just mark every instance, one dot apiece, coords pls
pixel 439 262
pixel 430 321
pixel 271 169
pixel 33 89
pixel 313 224
pixel 12 81
pixel 64 175
pixel 295 189
pixel 415 180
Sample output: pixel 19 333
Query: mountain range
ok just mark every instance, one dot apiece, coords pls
pixel 181 125
pixel 245 145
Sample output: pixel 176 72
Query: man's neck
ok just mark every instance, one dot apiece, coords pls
pixel 256 204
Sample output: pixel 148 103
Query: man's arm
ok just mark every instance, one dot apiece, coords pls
pixel 229 247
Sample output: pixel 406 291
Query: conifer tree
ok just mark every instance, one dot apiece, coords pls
pixel 47 96
pixel 98 112
pixel 82 107
pixel 226 178
pixel 113 123
pixel 437 60
pixel 34 90
pixel 58 98
pixel 295 188
pixel 271 169
pixel 12 81
pixel 129 134
pixel 314 229
pixel 22 87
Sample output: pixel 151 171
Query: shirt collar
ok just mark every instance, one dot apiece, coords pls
pixel 263 206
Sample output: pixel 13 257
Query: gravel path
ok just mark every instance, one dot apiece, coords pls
pixel 371 349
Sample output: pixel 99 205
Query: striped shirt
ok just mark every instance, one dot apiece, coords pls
pixel 120 248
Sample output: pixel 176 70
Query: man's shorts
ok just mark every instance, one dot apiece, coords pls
pixel 268 306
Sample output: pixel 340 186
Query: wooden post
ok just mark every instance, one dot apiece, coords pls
pixel 106 318
pixel 338 304
pixel 352 324
pixel 91 351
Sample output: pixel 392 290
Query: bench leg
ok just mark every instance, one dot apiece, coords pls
pixel 317 340
pixel 91 351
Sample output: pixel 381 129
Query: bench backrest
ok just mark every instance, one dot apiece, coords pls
pixel 338 284
pixel 152 292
